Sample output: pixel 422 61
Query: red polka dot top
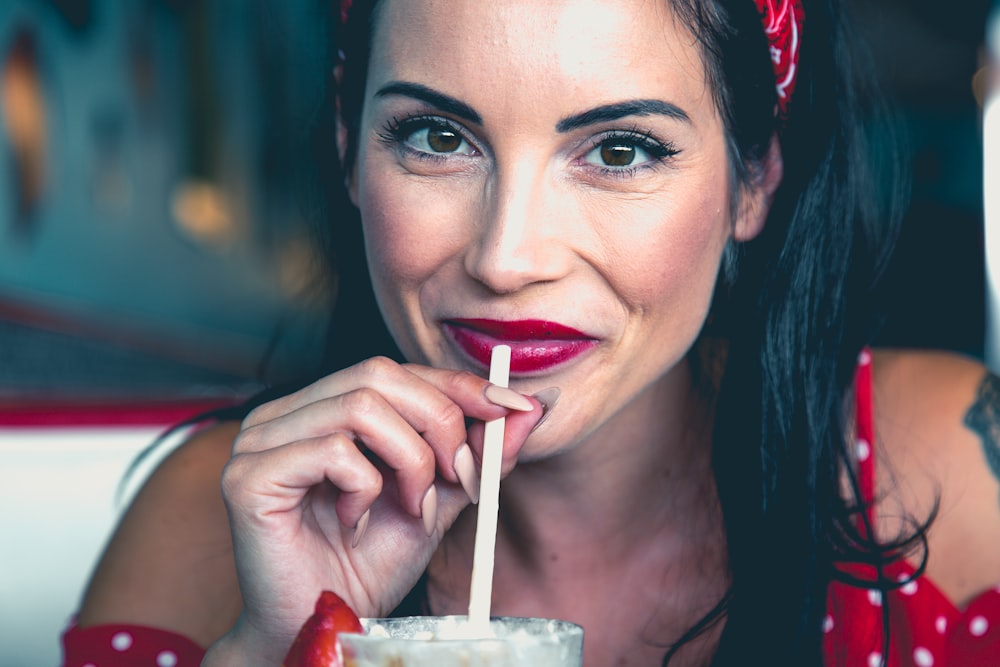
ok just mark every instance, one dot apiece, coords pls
pixel 925 628
pixel 128 646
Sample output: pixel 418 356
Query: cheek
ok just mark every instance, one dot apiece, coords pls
pixel 671 254
pixel 409 229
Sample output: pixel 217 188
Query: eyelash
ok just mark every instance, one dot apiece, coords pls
pixel 660 152
pixel 397 130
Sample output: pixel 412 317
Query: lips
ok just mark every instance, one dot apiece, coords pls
pixel 536 345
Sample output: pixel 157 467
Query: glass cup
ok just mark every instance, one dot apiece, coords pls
pixel 440 641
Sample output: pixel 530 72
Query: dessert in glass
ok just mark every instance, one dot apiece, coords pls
pixel 445 641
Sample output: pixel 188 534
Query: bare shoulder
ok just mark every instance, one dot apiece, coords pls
pixel 169 563
pixel 937 419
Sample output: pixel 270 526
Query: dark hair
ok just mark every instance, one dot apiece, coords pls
pixel 802 306
pixel 795 307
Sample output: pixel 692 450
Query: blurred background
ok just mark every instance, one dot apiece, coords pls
pixel 155 258
pixel 153 224
pixel 155 214
pixel 153 227
pixel 927 55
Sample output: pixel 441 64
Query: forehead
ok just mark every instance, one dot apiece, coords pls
pixel 585 51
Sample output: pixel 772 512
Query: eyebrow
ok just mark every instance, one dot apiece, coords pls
pixel 619 110
pixel 440 100
pixel 601 114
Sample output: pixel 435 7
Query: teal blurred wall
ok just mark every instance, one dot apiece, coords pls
pixel 159 205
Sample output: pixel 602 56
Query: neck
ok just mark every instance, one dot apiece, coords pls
pixel 644 474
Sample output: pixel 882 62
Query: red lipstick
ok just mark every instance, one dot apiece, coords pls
pixel 536 345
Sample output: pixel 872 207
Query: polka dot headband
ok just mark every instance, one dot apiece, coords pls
pixel 782 21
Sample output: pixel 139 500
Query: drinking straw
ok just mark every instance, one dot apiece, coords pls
pixel 481 592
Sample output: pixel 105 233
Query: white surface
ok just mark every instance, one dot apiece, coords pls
pixel 991 197
pixel 58 505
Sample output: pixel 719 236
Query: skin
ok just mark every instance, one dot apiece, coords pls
pixel 524 222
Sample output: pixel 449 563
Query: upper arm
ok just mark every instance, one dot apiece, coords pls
pixel 169 563
pixel 938 421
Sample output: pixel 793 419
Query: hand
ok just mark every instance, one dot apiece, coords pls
pixel 349 484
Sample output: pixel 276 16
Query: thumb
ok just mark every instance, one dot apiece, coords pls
pixel 518 425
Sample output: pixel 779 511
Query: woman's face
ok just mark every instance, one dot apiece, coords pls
pixel 550 175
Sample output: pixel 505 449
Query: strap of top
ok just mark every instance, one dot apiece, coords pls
pixel 865 432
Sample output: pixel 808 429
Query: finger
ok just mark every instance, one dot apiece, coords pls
pixel 476 396
pixel 363 416
pixel 377 372
pixel 518 426
pixel 435 402
pixel 430 412
pixel 275 481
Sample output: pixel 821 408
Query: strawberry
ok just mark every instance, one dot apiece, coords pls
pixel 316 643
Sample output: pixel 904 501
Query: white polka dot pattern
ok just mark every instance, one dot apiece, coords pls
pixel 978 626
pixel 875 597
pixel 862 449
pixel 941 624
pixel 121 641
pixel 827 623
pixel 922 657
pixel 874 659
pixel 166 659
pixel 115 645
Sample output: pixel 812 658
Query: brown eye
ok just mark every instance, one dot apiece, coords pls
pixel 435 138
pixel 616 154
pixel 625 154
pixel 443 140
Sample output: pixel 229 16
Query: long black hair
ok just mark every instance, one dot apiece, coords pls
pixel 795 307
pixel 802 305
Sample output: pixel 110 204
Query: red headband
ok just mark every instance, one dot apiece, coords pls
pixel 782 24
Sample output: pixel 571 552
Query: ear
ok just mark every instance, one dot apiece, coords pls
pixel 350 179
pixel 757 196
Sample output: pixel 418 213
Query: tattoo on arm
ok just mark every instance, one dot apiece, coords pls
pixel 983 418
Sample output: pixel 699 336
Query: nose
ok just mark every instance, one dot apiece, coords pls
pixel 522 237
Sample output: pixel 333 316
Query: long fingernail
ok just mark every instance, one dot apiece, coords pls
pixel 465 468
pixel 548 398
pixel 429 510
pixel 359 530
pixel 507 398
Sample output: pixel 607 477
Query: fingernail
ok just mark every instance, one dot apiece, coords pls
pixel 429 510
pixel 548 398
pixel 507 398
pixel 465 468
pixel 359 530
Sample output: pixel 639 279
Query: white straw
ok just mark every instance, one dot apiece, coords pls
pixel 481 593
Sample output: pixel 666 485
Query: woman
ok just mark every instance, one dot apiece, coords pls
pixel 673 218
